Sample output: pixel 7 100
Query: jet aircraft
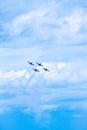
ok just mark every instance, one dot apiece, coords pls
pixel 36 70
pixel 45 69
pixel 39 64
pixel 30 63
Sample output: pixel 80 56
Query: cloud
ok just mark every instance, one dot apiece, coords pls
pixel 4 110
pixel 72 71
pixel 64 86
pixel 23 21
pixel 47 24
pixel 16 58
pixel 52 33
pixel 49 107
pixel 11 76
pixel 69 71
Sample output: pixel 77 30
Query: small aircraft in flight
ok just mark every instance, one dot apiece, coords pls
pixel 30 63
pixel 46 69
pixel 39 64
pixel 36 70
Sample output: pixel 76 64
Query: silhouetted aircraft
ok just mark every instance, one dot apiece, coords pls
pixel 36 70
pixel 45 69
pixel 39 64
pixel 30 63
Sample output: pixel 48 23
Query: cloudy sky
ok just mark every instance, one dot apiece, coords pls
pixel 54 33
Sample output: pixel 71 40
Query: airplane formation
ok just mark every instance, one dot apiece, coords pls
pixel 39 64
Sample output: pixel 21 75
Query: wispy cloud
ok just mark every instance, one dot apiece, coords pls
pixel 46 23
pixel 65 78
pixel 70 71
pixel 51 32
pixel 22 22
pixel 12 76
pixel 16 59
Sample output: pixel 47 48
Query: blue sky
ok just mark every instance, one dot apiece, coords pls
pixel 53 32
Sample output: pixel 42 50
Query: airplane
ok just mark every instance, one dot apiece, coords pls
pixel 36 70
pixel 30 63
pixel 39 64
pixel 45 69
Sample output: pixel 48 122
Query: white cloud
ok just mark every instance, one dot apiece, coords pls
pixel 49 23
pixel 74 21
pixel 78 115
pixel 49 107
pixel 4 110
pixel 11 76
pixel 46 24
pixel 70 72
pixel 17 58
pixel 40 96
pixel 21 22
